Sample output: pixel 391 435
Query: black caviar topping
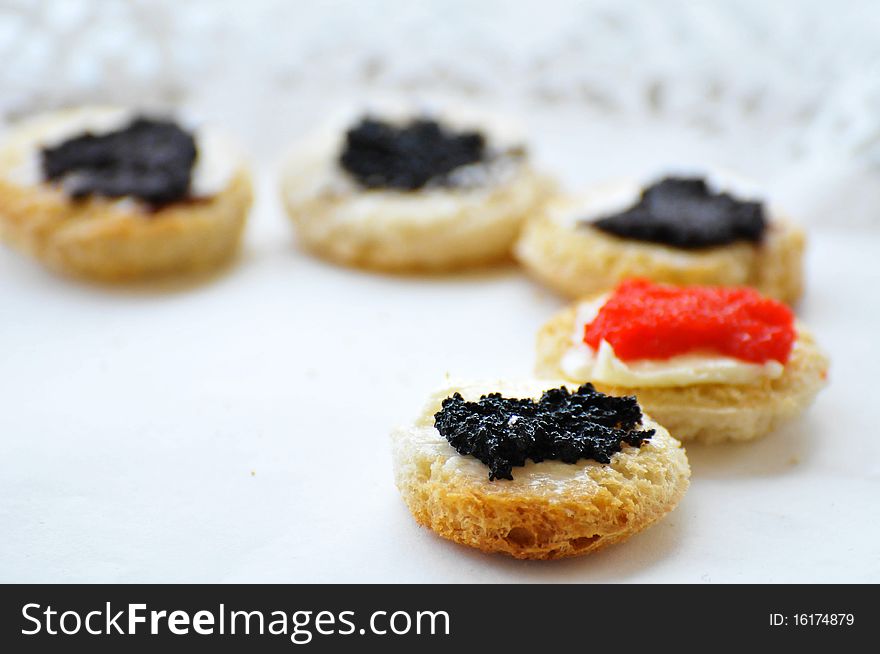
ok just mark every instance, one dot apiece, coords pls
pixel 149 159
pixel 503 432
pixel 408 157
pixel 685 213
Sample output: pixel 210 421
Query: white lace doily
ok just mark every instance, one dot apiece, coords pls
pixel 803 72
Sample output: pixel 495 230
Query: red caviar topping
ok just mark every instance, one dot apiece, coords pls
pixel 643 320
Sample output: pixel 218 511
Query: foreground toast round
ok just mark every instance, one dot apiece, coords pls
pixel 109 239
pixel 578 260
pixel 707 412
pixel 430 229
pixel 550 509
